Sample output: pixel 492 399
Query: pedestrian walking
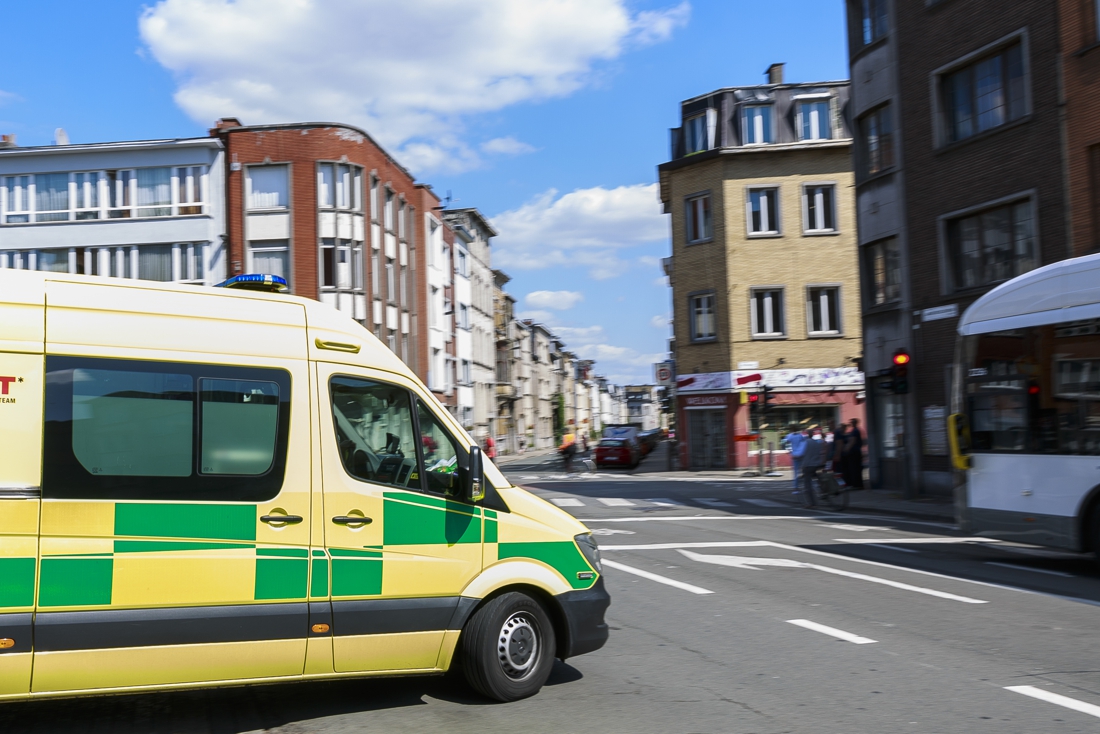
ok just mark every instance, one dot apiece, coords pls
pixel 490 447
pixel 813 460
pixel 851 459
pixel 796 441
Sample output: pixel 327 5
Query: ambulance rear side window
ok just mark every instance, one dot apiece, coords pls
pixel 131 429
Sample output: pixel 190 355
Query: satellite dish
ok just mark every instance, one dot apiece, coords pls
pixel 60 137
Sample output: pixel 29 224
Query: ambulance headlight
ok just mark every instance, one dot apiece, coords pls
pixel 590 548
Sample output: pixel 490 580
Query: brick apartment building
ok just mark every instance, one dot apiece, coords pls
pixel 326 207
pixel 763 267
pixel 1080 40
pixel 960 182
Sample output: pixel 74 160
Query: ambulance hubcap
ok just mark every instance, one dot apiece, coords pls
pixel 518 646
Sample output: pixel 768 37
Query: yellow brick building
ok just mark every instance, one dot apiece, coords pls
pixel 764 270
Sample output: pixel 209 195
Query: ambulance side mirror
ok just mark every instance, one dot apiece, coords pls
pixel 473 489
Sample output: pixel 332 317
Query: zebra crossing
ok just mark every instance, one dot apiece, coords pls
pixel 664 502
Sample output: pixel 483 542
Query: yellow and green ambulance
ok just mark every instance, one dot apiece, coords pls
pixel 206 486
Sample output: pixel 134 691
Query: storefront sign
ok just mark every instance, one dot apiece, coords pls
pixel 695 401
pixel 935 430
pixel 939 312
pixel 813 377
pixel 703 381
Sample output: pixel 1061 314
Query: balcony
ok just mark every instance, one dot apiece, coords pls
pixel 506 390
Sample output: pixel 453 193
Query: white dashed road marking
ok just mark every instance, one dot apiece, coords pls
pixel 765 503
pixel 892 548
pixel 665 501
pixel 616 502
pixel 566 502
pixel 711 502
pixel 1066 701
pixel 907 541
pixel 659 579
pixel 831 631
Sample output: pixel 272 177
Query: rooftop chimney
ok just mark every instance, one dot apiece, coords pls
pixel 7 141
pixel 60 137
pixel 227 122
pixel 775 74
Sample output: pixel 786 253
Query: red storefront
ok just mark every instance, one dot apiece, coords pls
pixel 715 419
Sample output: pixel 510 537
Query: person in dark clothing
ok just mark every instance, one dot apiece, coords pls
pixel 851 457
pixel 813 461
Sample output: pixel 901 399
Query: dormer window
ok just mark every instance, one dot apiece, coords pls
pixel 695 134
pixel 758 124
pixel 814 121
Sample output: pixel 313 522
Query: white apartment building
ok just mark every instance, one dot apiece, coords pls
pixel 475 340
pixel 148 209
pixel 440 370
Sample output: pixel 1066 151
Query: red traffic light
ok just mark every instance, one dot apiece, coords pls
pixel 754 398
pixel 1032 389
pixel 901 357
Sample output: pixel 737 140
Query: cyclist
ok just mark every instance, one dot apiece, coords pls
pixel 813 461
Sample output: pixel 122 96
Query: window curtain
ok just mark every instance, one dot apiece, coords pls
pixel 154 189
pixel 267 187
pixel 155 262
pixel 51 194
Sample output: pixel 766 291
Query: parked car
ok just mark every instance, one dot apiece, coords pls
pixel 649 440
pixel 617 452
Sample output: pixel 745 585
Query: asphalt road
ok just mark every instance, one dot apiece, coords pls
pixel 733 611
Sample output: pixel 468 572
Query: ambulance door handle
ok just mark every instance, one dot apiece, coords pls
pixel 284 519
pixel 352 520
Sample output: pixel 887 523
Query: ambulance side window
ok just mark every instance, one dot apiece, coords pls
pixel 440 452
pixel 374 431
pixel 145 430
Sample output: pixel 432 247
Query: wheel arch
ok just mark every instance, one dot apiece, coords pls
pixel 1085 532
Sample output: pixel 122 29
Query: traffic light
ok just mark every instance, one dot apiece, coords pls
pixel 768 401
pixel 753 400
pixel 899 372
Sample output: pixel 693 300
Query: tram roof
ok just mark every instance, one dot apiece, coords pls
pixel 1068 290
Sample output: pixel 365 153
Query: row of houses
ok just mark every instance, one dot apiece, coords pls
pixel 326 207
pixel 824 232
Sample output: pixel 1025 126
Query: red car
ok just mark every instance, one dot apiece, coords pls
pixel 617 452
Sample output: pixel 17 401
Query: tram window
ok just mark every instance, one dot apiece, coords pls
pixel 998 416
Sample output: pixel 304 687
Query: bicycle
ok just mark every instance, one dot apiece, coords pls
pixel 831 489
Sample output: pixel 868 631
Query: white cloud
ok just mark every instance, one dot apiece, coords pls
pixel 6 97
pixel 558 300
pixel 659 322
pixel 587 228
pixel 507 146
pixel 538 316
pixel 409 72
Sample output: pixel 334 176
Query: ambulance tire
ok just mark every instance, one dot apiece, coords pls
pixel 508 648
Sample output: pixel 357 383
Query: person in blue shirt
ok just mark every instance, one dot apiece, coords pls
pixel 796 443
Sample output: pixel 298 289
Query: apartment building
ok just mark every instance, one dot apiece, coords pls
pixel 1080 65
pixel 147 209
pixel 475 339
pixel 763 268
pixel 323 205
pixel 960 165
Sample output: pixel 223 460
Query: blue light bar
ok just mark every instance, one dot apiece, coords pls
pixel 264 282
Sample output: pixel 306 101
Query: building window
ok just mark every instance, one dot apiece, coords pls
pixel 463 316
pixel 391 340
pixel 374 198
pixel 344 187
pixel 465 372
pixel 815 120
pixel 266 187
pixel 391 284
pixel 873 19
pixel 763 214
pixel 992 246
pixel 884 268
pixel 697 210
pixel 401 219
pixel 767 313
pixel 823 311
pixel 984 94
pixel 695 134
pixel 17 199
pixel 820 208
pixel 155 263
pixel 324 186
pixel 51 197
pixel 388 212
pixel 270 256
pixel 405 286
pixel 758 124
pixel 877 140
pixel 460 262
pixel 376 272
pixel 154 192
pixel 703 326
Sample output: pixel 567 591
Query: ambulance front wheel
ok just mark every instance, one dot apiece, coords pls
pixel 508 647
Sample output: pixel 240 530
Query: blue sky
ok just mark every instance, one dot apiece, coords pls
pixel 550 116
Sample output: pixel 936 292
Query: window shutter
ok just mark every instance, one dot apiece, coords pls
pixel 712 127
